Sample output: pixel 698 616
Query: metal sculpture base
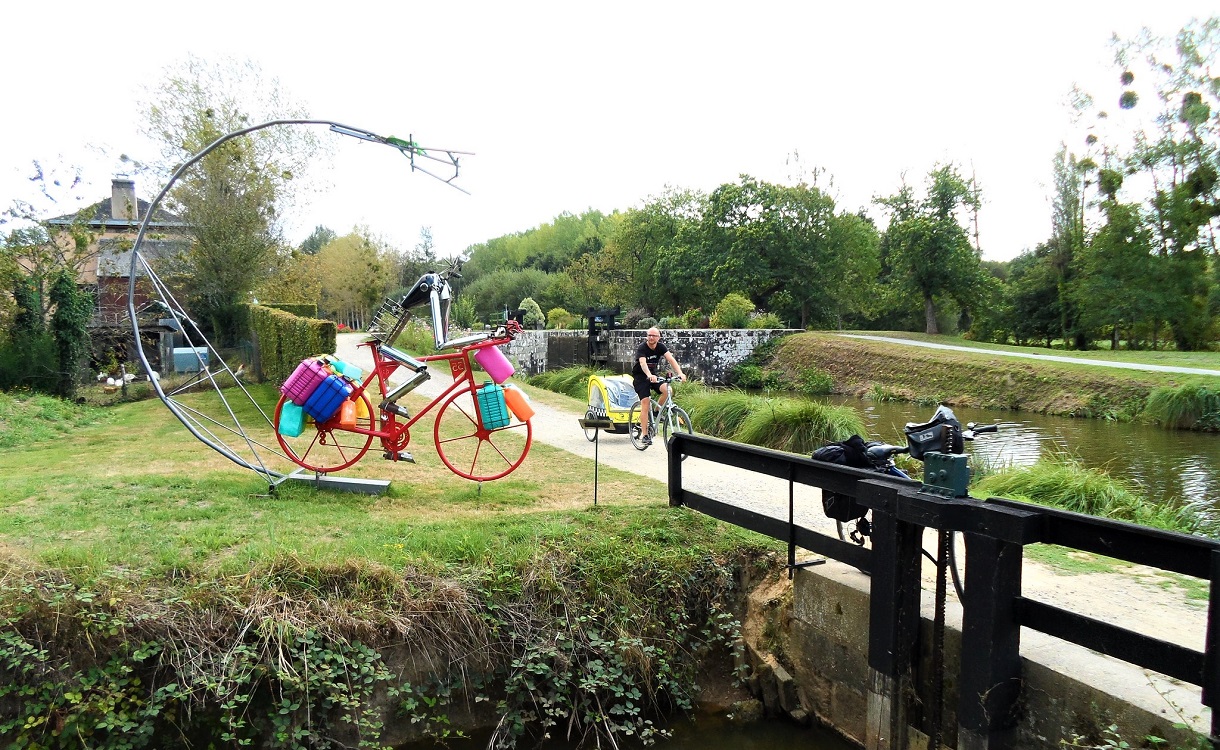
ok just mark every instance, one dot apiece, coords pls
pixel 341 484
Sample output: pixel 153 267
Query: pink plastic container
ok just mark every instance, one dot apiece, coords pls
pixel 495 363
pixel 301 384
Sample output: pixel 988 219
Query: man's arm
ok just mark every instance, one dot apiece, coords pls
pixel 644 369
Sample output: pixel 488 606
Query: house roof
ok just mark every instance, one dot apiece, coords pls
pixel 99 216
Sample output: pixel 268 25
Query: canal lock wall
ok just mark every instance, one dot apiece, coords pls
pixel 805 651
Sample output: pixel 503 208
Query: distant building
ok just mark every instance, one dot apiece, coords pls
pixel 104 265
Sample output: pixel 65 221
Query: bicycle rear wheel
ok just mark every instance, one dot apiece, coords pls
pixel 326 447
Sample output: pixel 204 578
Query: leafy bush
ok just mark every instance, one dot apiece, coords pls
pixel 815 382
pixel 464 313
pixel 647 322
pixel 533 317
pixel 755 377
pixel 732 312
pixel 560 318
pixel 632 318
pixel 694 318
pixel 766 320
pixel 670 323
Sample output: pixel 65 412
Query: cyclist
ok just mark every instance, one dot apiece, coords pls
pixel 644 375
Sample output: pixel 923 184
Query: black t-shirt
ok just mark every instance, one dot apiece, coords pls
pixel 651 356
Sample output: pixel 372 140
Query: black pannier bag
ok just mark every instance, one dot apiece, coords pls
pixel 850 452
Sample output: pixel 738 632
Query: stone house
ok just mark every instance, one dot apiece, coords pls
pixel 103 259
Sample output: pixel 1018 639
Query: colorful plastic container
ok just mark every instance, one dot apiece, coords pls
pixel 292 420
pixel 518 403
pixel 493 411
pixel 347 415
pixel 346 369
pixel 301 384
pixel 327 398
pixel 495 363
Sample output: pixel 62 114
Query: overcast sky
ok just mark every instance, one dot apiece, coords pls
pixel 570 106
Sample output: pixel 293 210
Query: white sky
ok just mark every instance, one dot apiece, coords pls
pixel 577 105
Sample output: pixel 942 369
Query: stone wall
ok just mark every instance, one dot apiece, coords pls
pixel 705 354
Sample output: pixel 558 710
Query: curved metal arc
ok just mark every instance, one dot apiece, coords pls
pixel 136 259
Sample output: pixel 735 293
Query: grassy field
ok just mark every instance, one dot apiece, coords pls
pixel 882 370
pixel 152 586
pixel 1202 360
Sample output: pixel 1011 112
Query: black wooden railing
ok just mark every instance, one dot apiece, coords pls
pixel 994 609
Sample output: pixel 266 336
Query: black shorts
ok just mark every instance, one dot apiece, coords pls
pixel 644 388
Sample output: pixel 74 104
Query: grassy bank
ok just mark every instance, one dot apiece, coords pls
pixel 885 370
pixel 155 594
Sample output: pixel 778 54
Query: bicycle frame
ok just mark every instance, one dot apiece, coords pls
pixel 384 367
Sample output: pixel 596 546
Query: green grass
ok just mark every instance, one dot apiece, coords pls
pixel 27 418
pixel 127 487
pixel 798 426
pixel 1189 406
pixel 1209 360
pixel 788 424
pixel 1062 482
pixel 570 381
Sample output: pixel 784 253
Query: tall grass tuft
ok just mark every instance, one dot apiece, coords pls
pixel 1061 481
pixel 570 381
pixel 1187 407
pixel 797 426
pixel 718 413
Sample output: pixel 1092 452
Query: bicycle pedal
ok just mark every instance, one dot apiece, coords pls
pixel 399 456
pixel 394 408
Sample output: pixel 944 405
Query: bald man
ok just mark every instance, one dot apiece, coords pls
pixel 644 376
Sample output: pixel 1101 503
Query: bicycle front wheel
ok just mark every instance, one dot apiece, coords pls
pixel 676 420
pixel 473 451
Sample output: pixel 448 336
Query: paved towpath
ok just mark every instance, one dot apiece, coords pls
pixel 1044 357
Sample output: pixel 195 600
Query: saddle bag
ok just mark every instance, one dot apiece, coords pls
pixel 849 452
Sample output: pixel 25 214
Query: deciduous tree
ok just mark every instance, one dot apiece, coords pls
pixel 233 198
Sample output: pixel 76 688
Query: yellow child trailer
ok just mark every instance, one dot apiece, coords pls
pixel 610 397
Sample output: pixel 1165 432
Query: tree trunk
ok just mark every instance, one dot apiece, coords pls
pixel 929 314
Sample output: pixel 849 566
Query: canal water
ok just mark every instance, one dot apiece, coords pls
pixel 1168 466
pixel 705 732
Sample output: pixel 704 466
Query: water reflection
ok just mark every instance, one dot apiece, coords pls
pixel 1172 466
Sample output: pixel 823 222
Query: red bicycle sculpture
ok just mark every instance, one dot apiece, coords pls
pixel 474 439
